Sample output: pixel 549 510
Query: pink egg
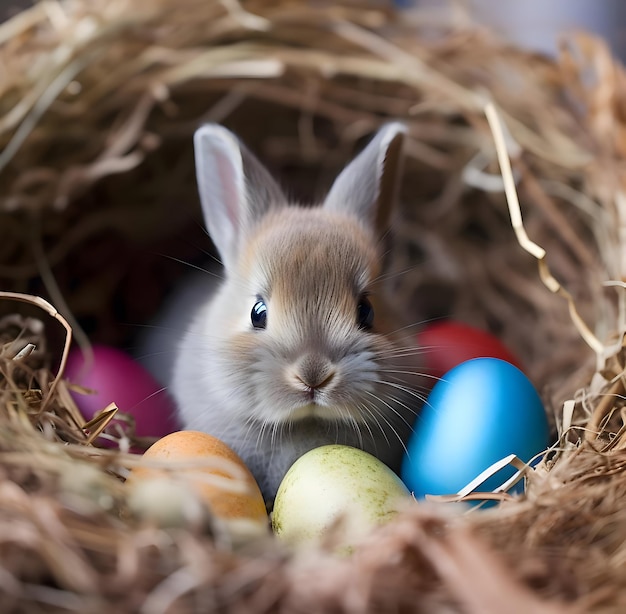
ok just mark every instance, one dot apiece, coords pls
pixel 116 378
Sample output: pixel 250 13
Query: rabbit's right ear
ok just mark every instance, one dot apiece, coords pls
pixel 236 190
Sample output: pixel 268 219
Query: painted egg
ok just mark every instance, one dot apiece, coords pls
pixel 335 483
pixel 480 412
pixel 116 378
pixel 214 472
pixel 447 344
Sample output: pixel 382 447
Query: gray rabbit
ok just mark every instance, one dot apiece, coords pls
pixel 295 347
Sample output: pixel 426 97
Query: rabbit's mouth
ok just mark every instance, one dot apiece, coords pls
pixel 323 411
pixel 312 383
pixel 313 409
pixel 310 410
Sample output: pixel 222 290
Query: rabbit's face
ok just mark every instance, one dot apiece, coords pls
pixel 307 332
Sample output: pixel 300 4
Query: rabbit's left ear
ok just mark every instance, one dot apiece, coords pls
pixel 368 186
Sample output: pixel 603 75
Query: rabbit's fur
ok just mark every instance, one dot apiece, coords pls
pixel 319 371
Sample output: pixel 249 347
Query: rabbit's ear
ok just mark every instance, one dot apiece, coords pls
pixel 367 187
pixel 236 190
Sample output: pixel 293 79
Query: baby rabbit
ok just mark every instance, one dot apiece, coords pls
pixel 294 349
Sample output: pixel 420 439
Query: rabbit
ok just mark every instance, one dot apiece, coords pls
pixel 294 348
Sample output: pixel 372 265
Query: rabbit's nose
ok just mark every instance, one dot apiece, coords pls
pixel 314 372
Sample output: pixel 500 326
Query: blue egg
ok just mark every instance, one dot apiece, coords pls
pixel 480 412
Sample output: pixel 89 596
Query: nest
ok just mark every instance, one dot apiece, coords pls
pixel 98 102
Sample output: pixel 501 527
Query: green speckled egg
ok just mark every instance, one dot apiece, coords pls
pixel 333 482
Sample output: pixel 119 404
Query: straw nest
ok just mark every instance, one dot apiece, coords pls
pixel 98 101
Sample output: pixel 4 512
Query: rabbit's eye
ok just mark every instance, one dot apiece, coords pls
pixel 365 314
pixel 258 316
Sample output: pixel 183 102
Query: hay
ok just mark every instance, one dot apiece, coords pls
pixel 98 101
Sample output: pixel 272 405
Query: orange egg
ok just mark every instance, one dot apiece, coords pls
pixel 213 470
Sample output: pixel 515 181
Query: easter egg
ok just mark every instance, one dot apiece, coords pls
pixel 447 344
pixel 480 412
pixel 116 378
pixel 335 483
pixel 214 472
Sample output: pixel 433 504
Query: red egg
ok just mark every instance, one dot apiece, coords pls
pixel 116 378
pixel 447 344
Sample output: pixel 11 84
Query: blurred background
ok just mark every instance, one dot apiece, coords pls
pixel 535 24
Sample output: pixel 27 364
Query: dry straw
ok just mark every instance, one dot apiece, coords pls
pixel 98 101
